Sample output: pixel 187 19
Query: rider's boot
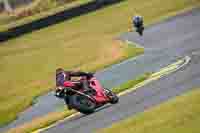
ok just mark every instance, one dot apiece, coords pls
pixel 69 107
pixel 67 103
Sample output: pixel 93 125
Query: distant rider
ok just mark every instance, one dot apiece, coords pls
pixel 137 21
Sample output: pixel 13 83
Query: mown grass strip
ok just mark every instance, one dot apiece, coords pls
pixel 131 83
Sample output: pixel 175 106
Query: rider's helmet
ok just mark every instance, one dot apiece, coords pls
pixel 59 70
pixel 137 20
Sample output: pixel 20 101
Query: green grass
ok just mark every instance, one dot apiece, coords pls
pixel 179 115
pixel 131 83
pixel 27 63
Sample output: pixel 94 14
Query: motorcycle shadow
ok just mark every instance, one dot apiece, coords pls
pixel 77 117
pixel 103 107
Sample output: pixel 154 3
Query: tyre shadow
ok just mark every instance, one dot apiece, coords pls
pixel 83 115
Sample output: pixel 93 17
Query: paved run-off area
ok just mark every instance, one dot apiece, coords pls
pixel 177 37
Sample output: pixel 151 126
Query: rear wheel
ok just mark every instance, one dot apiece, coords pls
pixel 82 104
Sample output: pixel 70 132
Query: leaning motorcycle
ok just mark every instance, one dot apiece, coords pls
pixel 87 101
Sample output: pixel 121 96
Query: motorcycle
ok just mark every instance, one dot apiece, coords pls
pixel 139 26
pixel 87 101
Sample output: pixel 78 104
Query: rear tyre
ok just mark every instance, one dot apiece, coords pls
pixel 82 104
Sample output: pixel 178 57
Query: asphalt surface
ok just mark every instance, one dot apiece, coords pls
pixel 174 38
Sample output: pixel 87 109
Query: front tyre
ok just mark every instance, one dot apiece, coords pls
pixel 82 104
pixel 140 30
pixel 112 96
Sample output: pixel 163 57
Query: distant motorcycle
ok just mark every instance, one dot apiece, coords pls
pixel 86 101
pixel 138 24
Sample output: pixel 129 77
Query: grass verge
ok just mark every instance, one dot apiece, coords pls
pixel 85 42
pixel 42 122
pixel 179 115
pixel 131 83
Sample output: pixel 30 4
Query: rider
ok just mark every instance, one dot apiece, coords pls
pixel 137 21
pixel 62 76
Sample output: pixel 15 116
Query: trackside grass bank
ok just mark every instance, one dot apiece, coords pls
pixel 179 115
pixel 52 117
pixel 131 83
pixel 27 63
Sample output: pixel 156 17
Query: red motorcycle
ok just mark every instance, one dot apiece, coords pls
pixel 86 101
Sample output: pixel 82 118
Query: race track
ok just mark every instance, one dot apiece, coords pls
pixel 177 37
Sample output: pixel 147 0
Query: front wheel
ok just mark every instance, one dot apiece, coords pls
pixel 140 30
pixel 112 96
pixel 82 104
